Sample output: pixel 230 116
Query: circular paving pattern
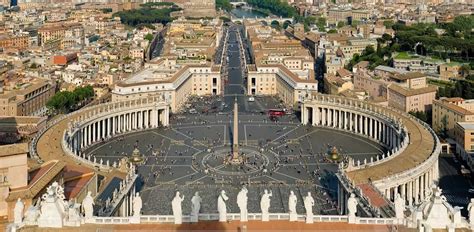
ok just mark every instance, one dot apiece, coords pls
pixel 254 162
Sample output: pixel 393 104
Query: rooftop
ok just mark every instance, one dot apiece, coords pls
pixel 466 125
pixel 412 92
pixel 14 149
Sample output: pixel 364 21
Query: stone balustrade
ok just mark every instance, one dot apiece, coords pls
pixel 251 217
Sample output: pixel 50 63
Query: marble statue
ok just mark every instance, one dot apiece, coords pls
pixel 242 199
pixel 196 206
pixel 176 205
pixel 18 211
pixel 32 213
pixel 399 206
pixel 470 208
pixel 265 205
pixel 221 206
pixel 352 208
pixel 308 205
pixel 88 206
pixel 53 207
pixel 74 216
pixel 137 205
pixel 292 206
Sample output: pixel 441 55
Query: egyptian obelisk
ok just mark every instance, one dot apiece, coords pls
pixel 235 141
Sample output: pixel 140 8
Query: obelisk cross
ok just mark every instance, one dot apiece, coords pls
pixel 235 141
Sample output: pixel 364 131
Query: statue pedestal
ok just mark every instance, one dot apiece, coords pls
pixel 51 214
pixel 293 217
pixel 265 217
pixel 352 219
pixel 135 219
pixel 309 219
pixel 194 218
pixel 88 220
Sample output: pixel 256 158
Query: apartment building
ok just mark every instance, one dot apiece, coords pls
pixel 415 63
pixel 464 137
pixel 447 112
pixel 283 67
pixel 25 98
pixel 451 70
pixel 59 31
pixel 12 41
pixel 410 92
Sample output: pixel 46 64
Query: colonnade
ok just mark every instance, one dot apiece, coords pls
pixel 415 190
pixel 354 121
pixel 383 125
pixel 101 125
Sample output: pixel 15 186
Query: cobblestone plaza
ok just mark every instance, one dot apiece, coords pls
pixel 281 156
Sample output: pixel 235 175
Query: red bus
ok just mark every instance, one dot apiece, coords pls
pixel 276 112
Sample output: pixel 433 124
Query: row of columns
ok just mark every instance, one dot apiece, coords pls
pixel 116 124
pixel 415 190
pixel 353 121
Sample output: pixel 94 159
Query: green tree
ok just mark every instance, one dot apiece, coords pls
pixel 388 23
pixel 224 5
pixel 149 37
pixel 340 24
pixel 277 7
pixel 321 23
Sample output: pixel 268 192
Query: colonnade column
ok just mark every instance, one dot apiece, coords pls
pixel 410 193
pixel 341 119
pixel 366 125
pixel 403 193
pixel 323 113
pixel 416 192
pixel 317 116
pixel 351 122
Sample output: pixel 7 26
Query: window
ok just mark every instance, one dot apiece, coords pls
pixel 3 175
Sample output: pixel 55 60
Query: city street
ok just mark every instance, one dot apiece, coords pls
pixel 455 186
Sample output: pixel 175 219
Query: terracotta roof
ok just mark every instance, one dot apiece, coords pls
pixel 412 92
pixel 74 187
pixel 343 72
pixel 40 178
pixel 375 198
pixel 362 64
pixel 453 107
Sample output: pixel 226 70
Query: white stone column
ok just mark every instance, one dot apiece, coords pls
pixel 318 116
pixel 149 118
pixel 167 116
pixel 140 119
pixel 377 130
pixel 339 119
pixel 366 125
pixel 410 193
pixel 351 122
pixel 323 113
pixel 417 190
pixel 403 193
pixel 371 127
pixel 89 134
pixel 93 132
